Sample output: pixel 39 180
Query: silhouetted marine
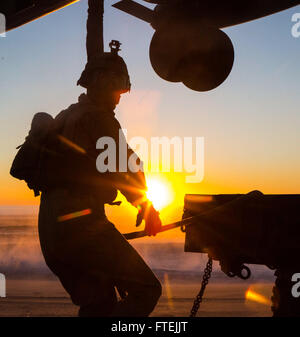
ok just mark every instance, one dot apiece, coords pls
pixel 87 253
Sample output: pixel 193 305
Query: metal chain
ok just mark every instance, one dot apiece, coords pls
pixel 205 279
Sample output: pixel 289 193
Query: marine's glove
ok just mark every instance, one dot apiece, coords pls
pixel 151 216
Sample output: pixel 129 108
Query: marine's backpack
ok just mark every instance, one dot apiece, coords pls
pixel 28 160
pixel 45 162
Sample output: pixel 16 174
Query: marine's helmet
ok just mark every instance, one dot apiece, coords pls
pixel 109 64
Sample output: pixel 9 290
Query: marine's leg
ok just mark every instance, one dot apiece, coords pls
pixel 93 246
pixel 138 281
pixel 108 254
pixel 96 297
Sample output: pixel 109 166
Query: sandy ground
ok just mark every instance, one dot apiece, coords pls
pixel 40 298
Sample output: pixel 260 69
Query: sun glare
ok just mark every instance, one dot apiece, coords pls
pixel 158 193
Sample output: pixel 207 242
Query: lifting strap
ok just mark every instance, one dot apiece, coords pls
pixel 181 223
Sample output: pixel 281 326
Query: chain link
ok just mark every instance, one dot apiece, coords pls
pixel 205 279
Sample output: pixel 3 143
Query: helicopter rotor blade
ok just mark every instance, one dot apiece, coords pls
pixel 135 9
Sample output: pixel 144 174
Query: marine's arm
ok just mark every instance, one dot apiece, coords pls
pixel 131 183
pixel 134 189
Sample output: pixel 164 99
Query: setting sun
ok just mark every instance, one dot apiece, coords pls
pixel 159 193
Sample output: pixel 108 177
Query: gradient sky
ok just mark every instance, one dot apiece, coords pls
pixel 250 123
